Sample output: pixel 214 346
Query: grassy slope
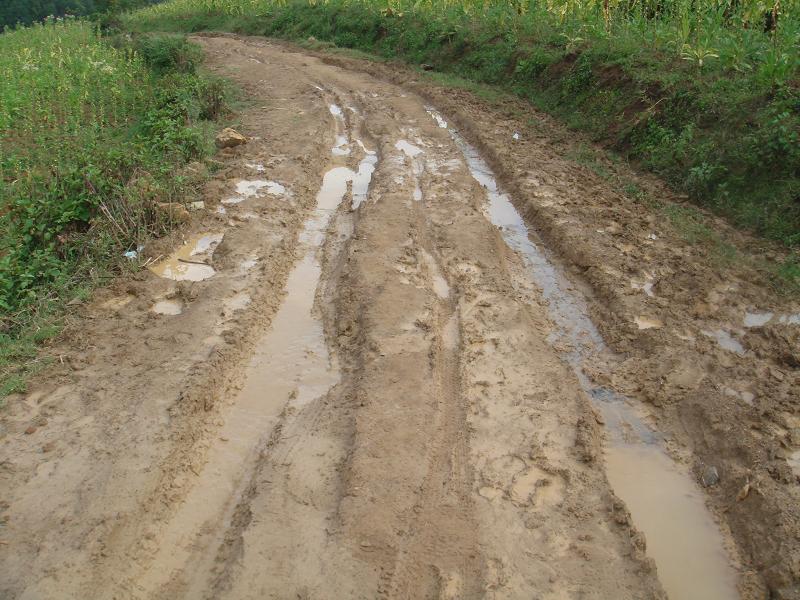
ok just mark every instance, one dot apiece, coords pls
pixel 91 136
pixel 726 136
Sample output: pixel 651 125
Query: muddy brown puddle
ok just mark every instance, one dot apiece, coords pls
pixel 190 261
pixel 291 367
pixel 664 501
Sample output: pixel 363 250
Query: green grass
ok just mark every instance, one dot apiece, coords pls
pixel 696 92
pixel 92 131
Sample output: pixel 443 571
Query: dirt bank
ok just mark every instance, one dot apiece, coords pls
pixel 372 388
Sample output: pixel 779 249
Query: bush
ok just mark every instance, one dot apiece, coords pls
pixel 83 126
pixel 165 52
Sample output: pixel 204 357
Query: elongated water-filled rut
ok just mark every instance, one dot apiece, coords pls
pixel 387 387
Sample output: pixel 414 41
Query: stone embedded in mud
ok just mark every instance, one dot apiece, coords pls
pixel 710 476
pixel 229 138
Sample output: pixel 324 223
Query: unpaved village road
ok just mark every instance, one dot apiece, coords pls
pixel 409 350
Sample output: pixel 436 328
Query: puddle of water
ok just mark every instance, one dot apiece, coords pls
pixel 757 319
pixel 189 262
pixel 341 146
pixel 726 341
pixel 291 366
pixel 408 148
pixel 336 111
pixel 363 178
pixel 167 307
pixel 417 166
pixel 248 189
pixel 666 504
pixel 438 118
pixel 648 323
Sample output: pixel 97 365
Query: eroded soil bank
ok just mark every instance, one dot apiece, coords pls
pixel 409 350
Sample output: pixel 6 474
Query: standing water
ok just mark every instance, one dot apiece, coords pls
pixel 664 501
pixel 291 368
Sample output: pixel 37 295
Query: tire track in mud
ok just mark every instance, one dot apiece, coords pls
pixel 406 428
pixel 219 550
pixel 440 556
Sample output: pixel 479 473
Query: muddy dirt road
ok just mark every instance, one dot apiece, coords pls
pixel 360 372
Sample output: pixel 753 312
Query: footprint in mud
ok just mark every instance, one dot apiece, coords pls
pixel 509 477
pixel 451 586
pixel 408 262
pixel 117 303
pixel 535 487
pixel 235 303
pixel 167 307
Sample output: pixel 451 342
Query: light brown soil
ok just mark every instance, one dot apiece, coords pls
pixel 431 441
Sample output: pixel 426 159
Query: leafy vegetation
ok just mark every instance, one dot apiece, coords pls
pixel 703 93
pixel 90 138
pixel 26 12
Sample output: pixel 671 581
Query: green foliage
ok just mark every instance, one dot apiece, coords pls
pixel 168 53
pixel 90 137
pixel 698 92
pixel 26 12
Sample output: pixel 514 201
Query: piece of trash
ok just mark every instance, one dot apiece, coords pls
pixel 133 254
pixel 199 205
pixel 652 236
pixel 516 136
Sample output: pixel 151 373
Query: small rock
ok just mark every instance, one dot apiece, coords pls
pixel 31 430
pixel 49 447
pixel 229 138
pixel 426 67
pixel 710 476
pixel 199 205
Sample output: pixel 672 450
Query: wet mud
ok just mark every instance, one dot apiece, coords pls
pixel 406 349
